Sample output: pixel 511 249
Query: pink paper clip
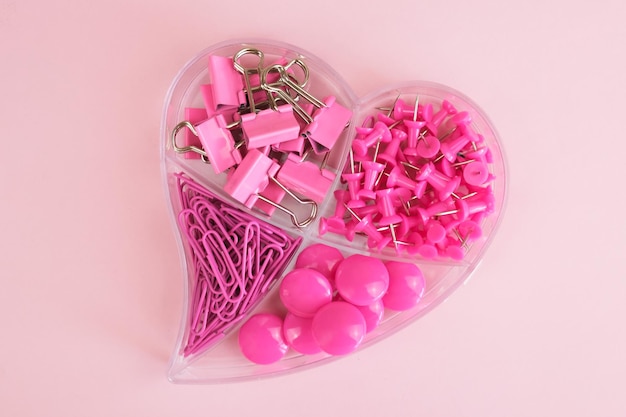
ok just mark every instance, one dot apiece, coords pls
pixel 305 178
pixel 227 83
pixel 328 123
pixel 218 143
pixel 252 177
pixel 270 127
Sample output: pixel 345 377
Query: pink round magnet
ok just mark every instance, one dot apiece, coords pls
pixel 406 286
pixel 373 314
pixel 322 258
pixel 361 280
pixel 338 328
pixel 298 334
pixel 303 291
pixel 261 339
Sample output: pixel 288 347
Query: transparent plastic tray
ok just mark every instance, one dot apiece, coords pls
pixel 223 361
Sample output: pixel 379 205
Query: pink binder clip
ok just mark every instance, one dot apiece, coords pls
pixel 218 143
pixel 305 178
pixel 328 123
pixel 194 116
pixel 206 91
pixel 252 177
pixel 272 192
pixel 227 83
pixel 269 127
pixel 218 146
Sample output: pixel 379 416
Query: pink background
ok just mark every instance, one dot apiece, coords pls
pixel 91 288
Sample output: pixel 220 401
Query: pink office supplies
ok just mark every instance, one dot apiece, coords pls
pixel 420 188
pixel 227 83
pixel 322 258
pixel 338 328
pixel 305 178
pixel 234 259
pixel 328 123
pixel 270 127
pixel 218 143
pixel 406 286
pixel 251 177
pixel 361 280
pixel 298 333
pixel 261 339
pixel 304 291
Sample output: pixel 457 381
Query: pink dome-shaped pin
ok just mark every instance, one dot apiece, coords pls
pixel 261 339
pixel 406 286
pixel 298 333
pixel 373 314
pixel 322 258
pixel 361 280
pixel 338 328
pixel 304 291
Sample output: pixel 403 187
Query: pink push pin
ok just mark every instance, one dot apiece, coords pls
pixel 325 226
pixel 261 339
pixel 428 251
pixel 435 232
pixel 462 118
pixel 469 230
pixel 435 209
pixel 455 251
pixel 338 328
pixel 361 280
pixel 389 155
pixel 227 83
pixel 380 133
pixel 298 333
pixel 354 185
pixel 304 291
pixel 484 203
pixel 341 198
pixel 270 127
pixel 322 258
pixel 447 109
pixel 428 146
pixel 406 286
pixel 402 111
pixel 415 241
pixel 408 223
pixel 444 185
pixel 452 147
pixel 413 128
pixel 476 173
pixel 398 179
pixel 384 201
pixel 366 225
pixel 372 169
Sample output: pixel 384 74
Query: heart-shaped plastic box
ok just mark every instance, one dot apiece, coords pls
pixel 222 360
